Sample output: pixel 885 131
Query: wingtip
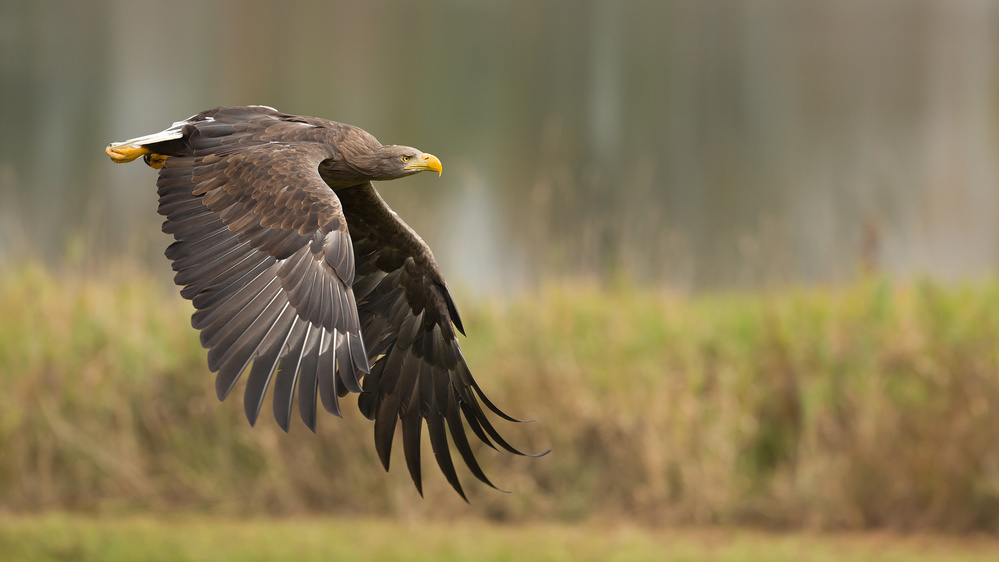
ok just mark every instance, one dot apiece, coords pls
pixel 359 353
pixel 385 460
pixel 251 408
pixel 224 384
pixel 495 487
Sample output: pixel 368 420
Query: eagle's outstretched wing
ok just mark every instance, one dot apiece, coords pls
pixel 408 319
pixel 263 252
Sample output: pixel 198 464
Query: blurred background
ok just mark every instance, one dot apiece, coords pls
pixel 696 145
pixel 738 258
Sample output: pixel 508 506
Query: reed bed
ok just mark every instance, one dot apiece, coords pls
pixel 869 406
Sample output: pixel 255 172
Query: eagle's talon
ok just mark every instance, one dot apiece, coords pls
pixel 122 153
pixel 155 160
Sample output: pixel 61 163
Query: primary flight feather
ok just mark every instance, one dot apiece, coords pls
pixel 304 278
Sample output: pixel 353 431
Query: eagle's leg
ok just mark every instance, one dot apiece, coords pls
pixel 121 153
pixel 155 160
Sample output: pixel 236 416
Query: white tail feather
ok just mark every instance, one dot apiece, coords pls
pixel 175 131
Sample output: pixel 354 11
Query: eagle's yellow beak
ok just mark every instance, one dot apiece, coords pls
pixel 426 162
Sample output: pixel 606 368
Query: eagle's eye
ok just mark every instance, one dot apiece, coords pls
pixel 405 157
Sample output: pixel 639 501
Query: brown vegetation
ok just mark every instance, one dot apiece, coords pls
pixel 871 406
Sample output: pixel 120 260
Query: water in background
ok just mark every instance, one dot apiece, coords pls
pixel 695 145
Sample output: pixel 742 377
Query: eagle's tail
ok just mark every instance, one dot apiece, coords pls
pixel 126 151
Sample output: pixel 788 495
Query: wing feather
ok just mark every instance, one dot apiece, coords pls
pixel 308 378
pixel 286 326
pixel 409 322
pixel 328 386
pixel 241 335
pixel 262 250
pixel 287 375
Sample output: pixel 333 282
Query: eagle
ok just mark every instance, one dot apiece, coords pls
pixel 304 278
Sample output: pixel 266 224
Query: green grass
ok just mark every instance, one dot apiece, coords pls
pixel 869 406
pixel 188 538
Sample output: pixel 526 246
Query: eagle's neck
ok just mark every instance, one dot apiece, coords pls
pixel 355 163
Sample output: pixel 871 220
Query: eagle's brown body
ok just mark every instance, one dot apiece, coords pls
pixel 302 276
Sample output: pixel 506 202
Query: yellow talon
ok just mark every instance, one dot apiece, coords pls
pixel 121 153
pixel 124 153
pixel 155 160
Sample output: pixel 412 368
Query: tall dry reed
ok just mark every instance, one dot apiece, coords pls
pixel 874 405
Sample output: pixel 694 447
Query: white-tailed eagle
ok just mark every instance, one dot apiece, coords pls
pixel 303 277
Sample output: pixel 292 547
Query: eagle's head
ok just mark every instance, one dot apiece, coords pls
pixel 396 161
pixel 361 158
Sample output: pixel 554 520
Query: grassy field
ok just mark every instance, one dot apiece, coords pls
pixel 189 538
pixel 873 406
